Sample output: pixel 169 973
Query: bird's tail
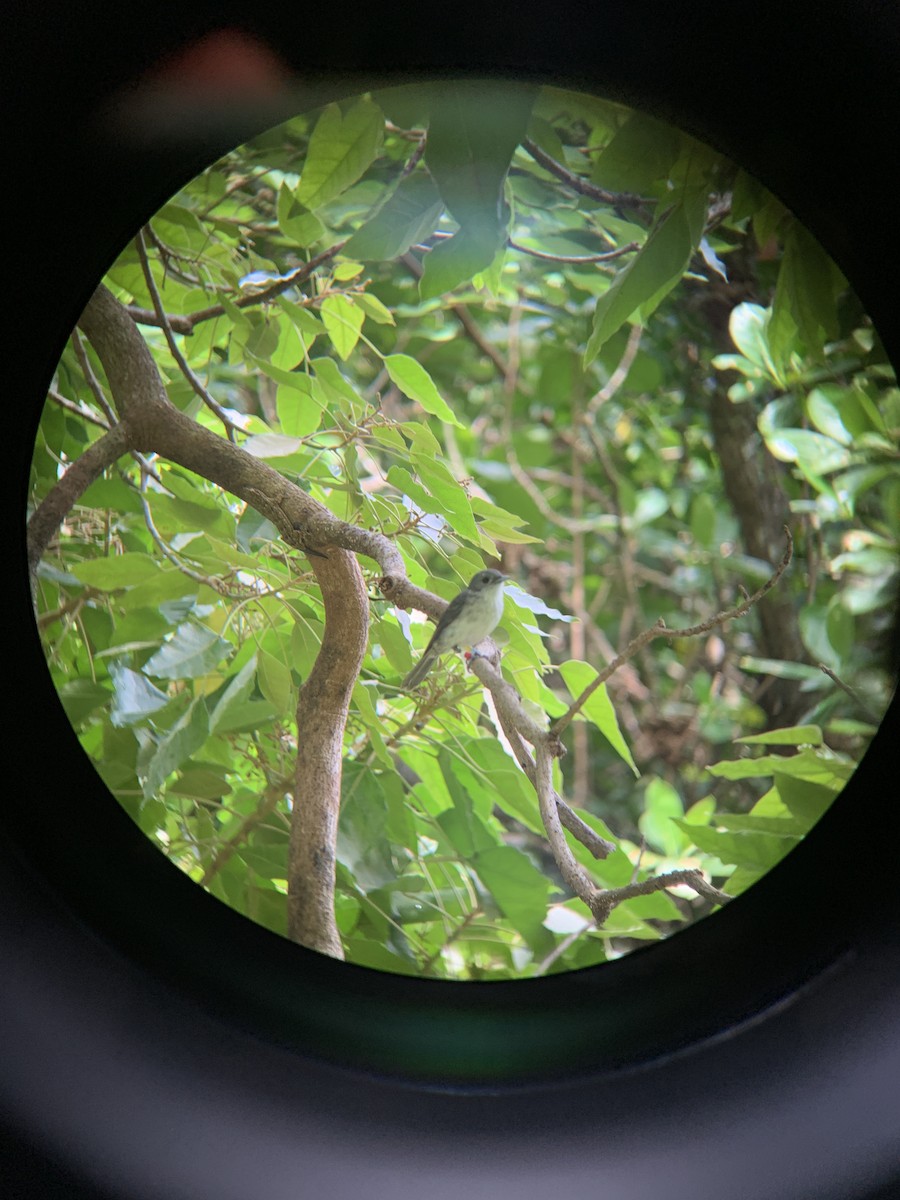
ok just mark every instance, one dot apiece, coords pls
pixel 419 671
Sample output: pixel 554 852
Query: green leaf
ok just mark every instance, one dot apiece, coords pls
pixel 250 716
pixel 520 890
pixel 808 800
pixel 201 783
pixel 512 791
pixel 300 411
pixel 364 708
pixel 468 155
pixel 638 155
pixel 266 852
pixel 275 681
pixel 374 309
pixel 748 325
pixel 237 691
pixel 452 500
pixel 169 586
pixel 598 708
pixel 111 493
pixel 779 668
pixel 822 409
pixel 186 737
pixel 272 445
pixel 703 519
pixel 840 627
pixel 347 270
pixel 343 322
pixel 409 215
pixel 117 571
pixel 342 146
pixel 457 260
pixel 750 823
pixel 814 453
pixel 651 274
pixel 743 848
pixel 334 388
pixel 295 220
pixel 414 381
pixel 134 697
pixel 804 296
pixel 81 697
pixel 658 823
pixel 768 219
pixel 192 651
pixel 795 735
pixel 500 524
pixel 814 765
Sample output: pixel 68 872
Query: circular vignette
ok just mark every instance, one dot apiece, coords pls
pixel 183 825
pixel 853 929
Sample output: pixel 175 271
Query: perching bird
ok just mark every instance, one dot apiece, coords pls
pixel 469 618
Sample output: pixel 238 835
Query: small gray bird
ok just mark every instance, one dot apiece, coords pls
pixel 469 618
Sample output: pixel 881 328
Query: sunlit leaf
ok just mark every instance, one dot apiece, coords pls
pixel 193 650
pixel 134 696
pixel 414 381
pixel 341 147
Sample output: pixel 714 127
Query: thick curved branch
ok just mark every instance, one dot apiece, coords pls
pixel 46 518
pixel 574 875
pixel 322 708
pixel 155 424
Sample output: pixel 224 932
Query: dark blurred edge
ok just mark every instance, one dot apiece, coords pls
pixel 749 68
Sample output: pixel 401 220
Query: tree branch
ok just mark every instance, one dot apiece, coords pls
pixel 185 323
pixel 199 389
pixel 50 513
pixel 583 187
pixel 575 259
pixel 324 699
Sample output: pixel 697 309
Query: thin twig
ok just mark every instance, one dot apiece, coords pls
pixel 574 259
pixel 185 323
pixel 661 630
pixel 583 187
pixel 199 388
pixel 852 693
pixel 72 407
pixel 91 379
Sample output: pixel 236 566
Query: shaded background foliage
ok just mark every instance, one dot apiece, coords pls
pixel 469 374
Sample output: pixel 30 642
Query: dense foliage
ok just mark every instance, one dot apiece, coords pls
pixel 549 333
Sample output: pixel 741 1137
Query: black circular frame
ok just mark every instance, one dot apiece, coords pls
pixel 156 1044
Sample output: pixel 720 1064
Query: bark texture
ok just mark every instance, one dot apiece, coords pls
pixel 149 422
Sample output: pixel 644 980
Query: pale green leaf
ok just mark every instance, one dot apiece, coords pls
pixel 342 146
pixel 409 215
pixel 134 696
pixel 662 805
pixel 117 571
pixel 192 651
pixel 275 682
pixel 343 322
pixel 414 381
pixel 598 707
pixel 183 740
